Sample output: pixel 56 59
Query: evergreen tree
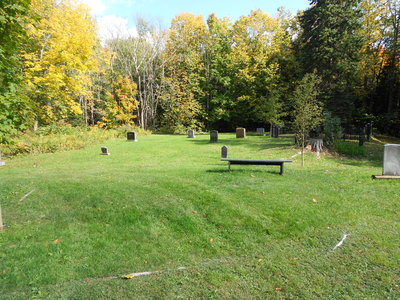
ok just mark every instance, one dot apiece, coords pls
pixel 330 43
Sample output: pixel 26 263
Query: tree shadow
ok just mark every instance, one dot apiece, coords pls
pixel 261 144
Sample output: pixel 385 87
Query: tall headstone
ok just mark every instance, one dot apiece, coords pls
pixel 261 131
pixel 275 131
pixel 104 151
pixel 213 136
pixel 224 152
pixel 131 136
pixel 191 134
pixel 240 133
pixel 391 160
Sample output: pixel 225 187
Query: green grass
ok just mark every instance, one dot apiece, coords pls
pixel 350 148
pixel 168 201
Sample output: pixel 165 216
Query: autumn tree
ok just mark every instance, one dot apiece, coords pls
pixel 257 40
pixel 121 105
pixel 185 73
pixel 59 58
pixel 141 59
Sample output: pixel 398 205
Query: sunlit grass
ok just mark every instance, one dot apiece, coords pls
pixel 168 201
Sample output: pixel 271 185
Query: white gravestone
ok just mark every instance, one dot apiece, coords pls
pixel 391 160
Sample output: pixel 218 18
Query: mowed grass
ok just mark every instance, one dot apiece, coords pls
pixel 168 201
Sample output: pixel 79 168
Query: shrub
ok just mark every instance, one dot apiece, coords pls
pixel 332 128
pixel 55 138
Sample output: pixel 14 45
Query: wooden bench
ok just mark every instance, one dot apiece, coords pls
pixel 273 162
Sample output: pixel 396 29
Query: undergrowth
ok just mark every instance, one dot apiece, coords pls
pixel 55 138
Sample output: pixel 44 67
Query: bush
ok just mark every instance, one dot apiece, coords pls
pixel 55 138
pixel 349 148
pixel 332 129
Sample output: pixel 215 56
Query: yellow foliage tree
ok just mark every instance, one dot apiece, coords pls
pixel 59 58
pixel 121 104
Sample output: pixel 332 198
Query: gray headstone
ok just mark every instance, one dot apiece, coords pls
pixel 224 152
pixel 191 134
pixel 261 131
pixel 391 160
pixel 104 151
pixel 275 131
pixel 131 136
pixel 240 133
pixel 213 136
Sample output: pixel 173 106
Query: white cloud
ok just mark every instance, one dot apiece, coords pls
pixel 97 7
pixel 114 27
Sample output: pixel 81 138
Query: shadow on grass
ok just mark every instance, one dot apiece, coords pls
pixel 262 144
pixel 242 170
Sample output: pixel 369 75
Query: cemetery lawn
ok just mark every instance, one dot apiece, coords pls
pixel 168 201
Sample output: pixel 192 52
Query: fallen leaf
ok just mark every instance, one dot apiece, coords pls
pixel 4 271
pixel 314 200
pixel 260 260
pixel 127 276
pixel 278 289
pixel 211 240
pixel 195 212
pixel 57 241
pixel 252 175
pixel 296 258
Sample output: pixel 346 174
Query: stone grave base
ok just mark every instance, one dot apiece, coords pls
pixel 385 177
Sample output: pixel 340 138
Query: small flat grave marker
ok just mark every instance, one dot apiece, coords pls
pixel 214 136
pixel 104 151
pixel 131 136
pixel 240 133
pixel 261 131
pixel 191 134
pixel 224 152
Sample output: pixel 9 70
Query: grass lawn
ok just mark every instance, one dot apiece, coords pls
pixel 168 201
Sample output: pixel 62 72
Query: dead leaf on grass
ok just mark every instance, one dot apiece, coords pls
pixel 314 200
pixel 57 241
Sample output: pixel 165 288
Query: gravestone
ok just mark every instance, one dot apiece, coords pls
pixel 224 152
pixel 191 134
pixel 391 160
pixel 131 136
pixel 261 131
pixel 213 136
pixel 104 151
pixel 275 131
pixel 2 163
pixel 240 133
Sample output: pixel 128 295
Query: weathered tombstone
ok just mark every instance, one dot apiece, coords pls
pixel 275 130
pixel 261 131
pixel 391 160
pixel 213 136
pixel 224 152
pixel 240 133
pixel 131 136
pixel 104 151
pixel 191 134
pixel 2 163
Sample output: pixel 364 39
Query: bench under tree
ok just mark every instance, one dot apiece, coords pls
pixel 273 162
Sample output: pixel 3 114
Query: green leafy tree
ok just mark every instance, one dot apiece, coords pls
pixel 330 42
pixel 307 110
pixel 14 107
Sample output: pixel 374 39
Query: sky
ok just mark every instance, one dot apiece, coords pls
pixel 118 16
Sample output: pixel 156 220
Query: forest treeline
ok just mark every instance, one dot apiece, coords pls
pixel 199 73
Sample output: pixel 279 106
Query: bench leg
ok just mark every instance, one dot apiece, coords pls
pixel 229 166
pixel 281 172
